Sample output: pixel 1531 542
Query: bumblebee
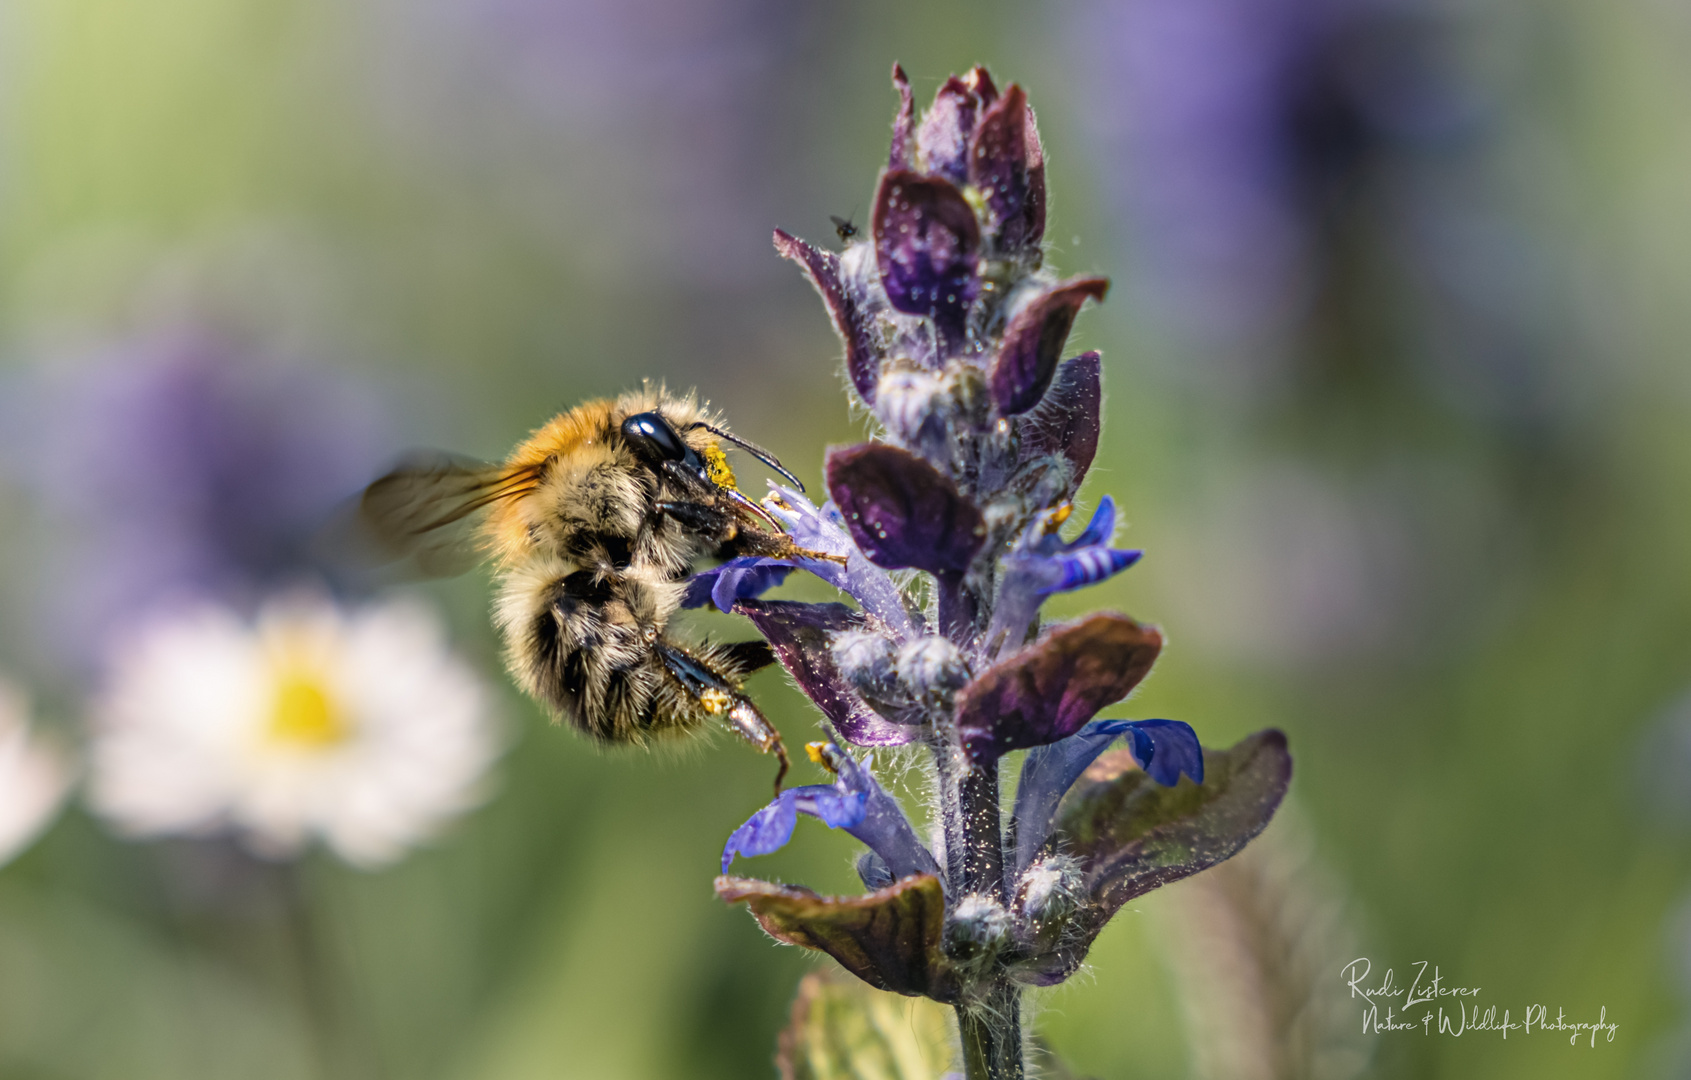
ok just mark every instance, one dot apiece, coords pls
pixel 593 525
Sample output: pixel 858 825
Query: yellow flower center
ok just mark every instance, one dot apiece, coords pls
pixel 303 715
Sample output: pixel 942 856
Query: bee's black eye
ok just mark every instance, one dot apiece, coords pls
pixel 650 436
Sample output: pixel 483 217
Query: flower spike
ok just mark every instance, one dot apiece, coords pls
pixel 946 531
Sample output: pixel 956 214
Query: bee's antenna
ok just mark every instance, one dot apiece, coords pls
pixel 751 448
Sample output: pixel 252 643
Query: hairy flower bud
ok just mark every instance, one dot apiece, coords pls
pixel 976 931
pixel 909 401
pixel 933 668
pixel 1050 891
pixel 869 663
pixel 874 871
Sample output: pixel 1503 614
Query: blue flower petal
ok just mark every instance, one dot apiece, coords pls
pixel 837 809
pixel 855 803
pixel 737 579
pixel 823 529
pixel 1042 565
pixel 1163 748
pixel 1088 566
pixel 884 828
pixel 1100 529
pixel 767 830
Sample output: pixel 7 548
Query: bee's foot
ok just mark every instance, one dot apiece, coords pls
pixel 823 556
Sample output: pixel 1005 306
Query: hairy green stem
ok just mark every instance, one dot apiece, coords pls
pixel 991 1033
pixel 989 1021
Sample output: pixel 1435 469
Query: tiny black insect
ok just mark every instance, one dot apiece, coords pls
pixel 844 227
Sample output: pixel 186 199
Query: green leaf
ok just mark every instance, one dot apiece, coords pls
pixel 843 1029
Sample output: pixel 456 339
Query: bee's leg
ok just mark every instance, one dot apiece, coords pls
pixel 750 656
pixel 690 478
pixel 778 545
pixel 725 530
pixel 701 519
pixel 717 695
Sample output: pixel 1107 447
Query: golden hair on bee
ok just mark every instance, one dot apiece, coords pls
pixel 593 523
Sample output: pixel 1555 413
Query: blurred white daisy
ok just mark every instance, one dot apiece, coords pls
pixel 357 726
pixel 34 776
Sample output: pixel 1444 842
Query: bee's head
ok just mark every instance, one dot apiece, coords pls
pixel 655 441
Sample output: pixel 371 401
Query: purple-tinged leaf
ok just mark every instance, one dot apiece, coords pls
pixel 927 247
pixel 903 124
pixel 744 578
pixel 1067 420
pixel 889 938
pixel 1163 748
pixel 980 81
pixel 801 635
pixel 1034 340
pixel 1049 689
pixel 942 141
pixel 1007 166
pixel 902 512
pixel 850 321
pixel 1027 230
pixel 1133 835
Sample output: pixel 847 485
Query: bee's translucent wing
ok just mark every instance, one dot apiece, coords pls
pixel 425 512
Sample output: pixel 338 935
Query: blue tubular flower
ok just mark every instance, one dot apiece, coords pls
pixel 1163 748
pixel 1043 565
pixel 853 802
pixel 1052 566
pixel 769 829
pixel 823 529
pixel 816 528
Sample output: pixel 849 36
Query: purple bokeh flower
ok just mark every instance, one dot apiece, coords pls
pixel 1245 131
pixel 631 135
pixel 176 466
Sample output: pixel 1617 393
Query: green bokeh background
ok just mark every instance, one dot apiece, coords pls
pixel 1473 778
